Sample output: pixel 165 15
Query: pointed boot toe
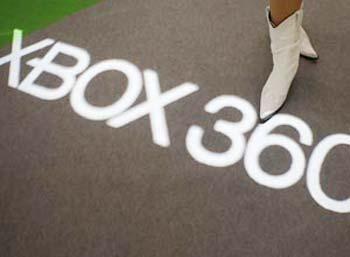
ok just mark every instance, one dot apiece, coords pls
pixel 273 95
pixel 307 49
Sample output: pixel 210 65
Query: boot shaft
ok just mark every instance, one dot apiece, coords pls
pixel 287 33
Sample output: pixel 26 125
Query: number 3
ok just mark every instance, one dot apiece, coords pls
pixel 234 130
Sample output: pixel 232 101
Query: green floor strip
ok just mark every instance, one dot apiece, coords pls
pixel 32 15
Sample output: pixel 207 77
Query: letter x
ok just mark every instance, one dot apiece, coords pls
pixel 154 106
pixel 17 53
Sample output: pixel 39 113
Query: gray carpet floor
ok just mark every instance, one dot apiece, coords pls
pixel 70 186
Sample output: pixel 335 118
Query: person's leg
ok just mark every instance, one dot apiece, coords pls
pixel 282 9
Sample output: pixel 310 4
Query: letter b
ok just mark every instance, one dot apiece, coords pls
pixel 66 73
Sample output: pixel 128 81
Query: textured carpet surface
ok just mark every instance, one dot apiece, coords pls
pixel 74 187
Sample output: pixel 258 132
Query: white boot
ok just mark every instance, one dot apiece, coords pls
pixel 288 42
pixel 307 50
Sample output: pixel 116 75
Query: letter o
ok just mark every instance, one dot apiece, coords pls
pixel 81 106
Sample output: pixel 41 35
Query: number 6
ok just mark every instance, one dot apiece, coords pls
pixel 261 139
